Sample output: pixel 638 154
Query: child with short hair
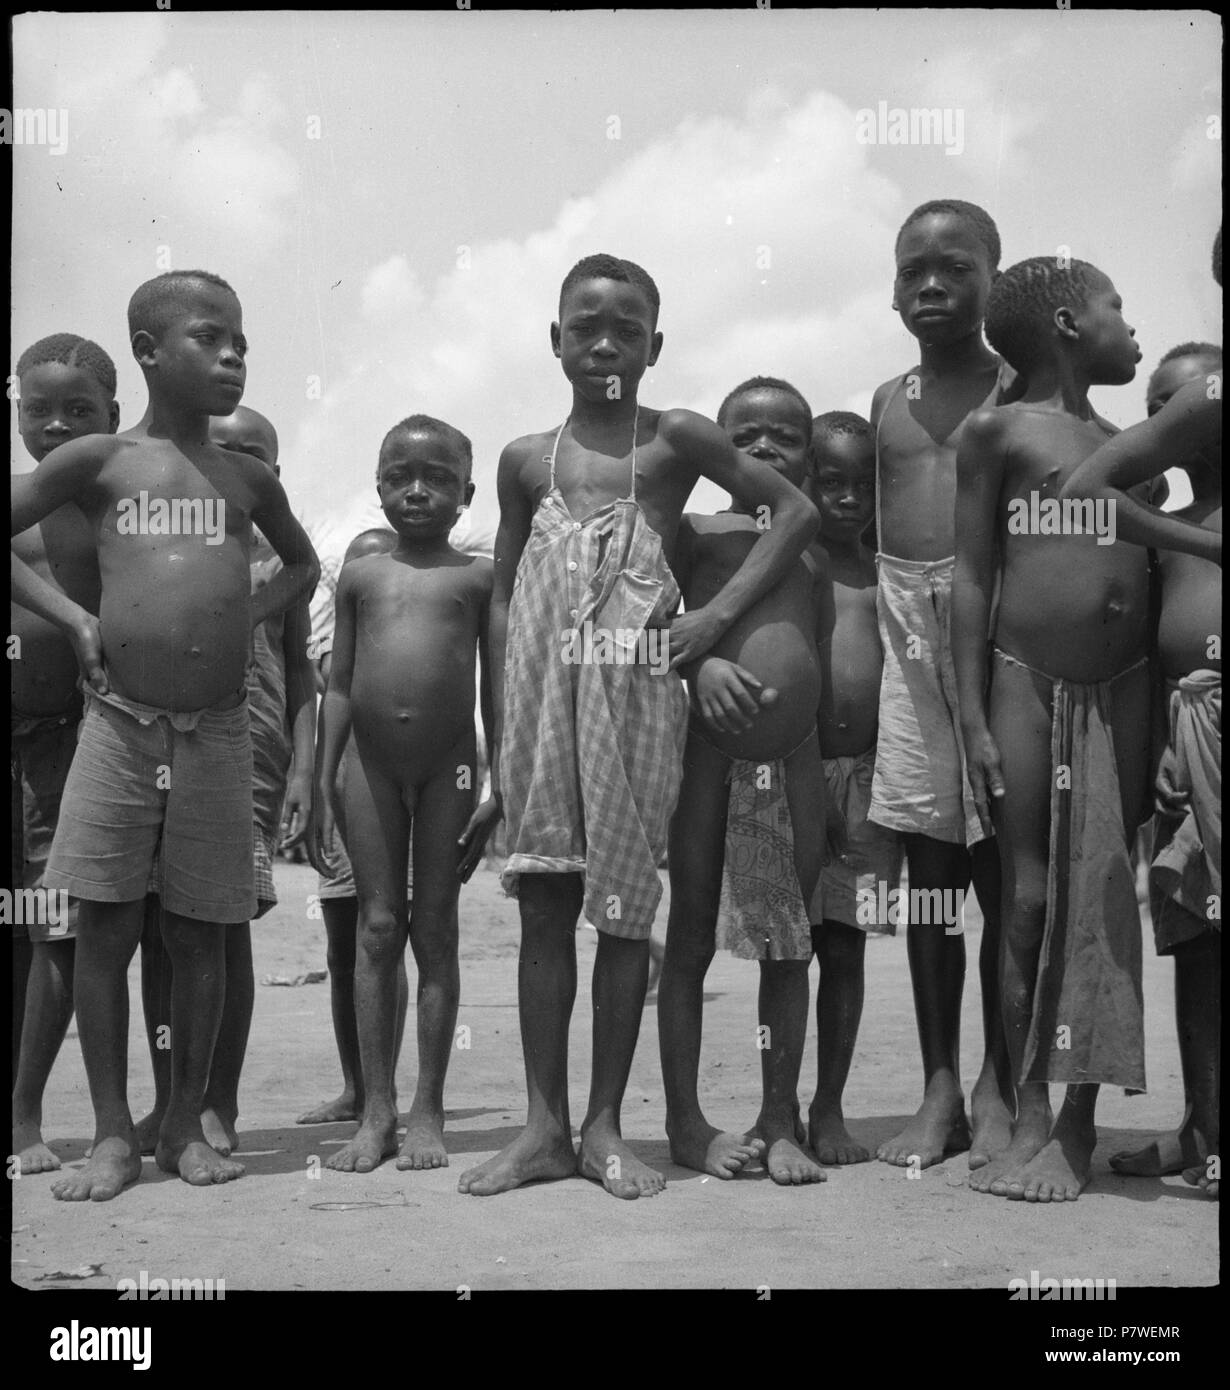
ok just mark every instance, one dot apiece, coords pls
pixel 407 627
pixel 747 836
pixel 281 709
pixel 588 751
pixel 66 389
pixel 1052 739
pixel 947 258
pixel 848 902
pixel 164 756
pixel 339 905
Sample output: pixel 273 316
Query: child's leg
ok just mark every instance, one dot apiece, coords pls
pixel 1020 723
pixel 197 952
pixel 156 1006
pixel 993 1099
pixel 546 990
pixel 621 975
pixel 1197 1004
pixel 783 985
pixel 48 1008
pixel 107 936
pixel 341 917
pixel 377 837
pixel 696 854
pixel 22 956
pixel 440 816
pixel 1197 966
pixel 222 1093
pixel 840 950
pixel 937 974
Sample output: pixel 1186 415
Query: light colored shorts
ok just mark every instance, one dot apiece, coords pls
pixel 920 786
pixel 41 749
pixel 146 780
pixel 849 887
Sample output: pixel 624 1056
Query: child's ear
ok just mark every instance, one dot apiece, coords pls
pixel 655 347
pixel 113 417
pixel 469 494
pixel 555 338
pixel 143 347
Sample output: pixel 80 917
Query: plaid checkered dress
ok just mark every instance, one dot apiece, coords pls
pixel 592 751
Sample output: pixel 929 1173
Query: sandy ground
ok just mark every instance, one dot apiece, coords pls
pixel 286 1225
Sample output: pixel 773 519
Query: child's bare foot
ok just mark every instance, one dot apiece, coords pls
pixel 1167 1153
pixel 374 1141
pixel 1059 1171
pixel 830 1140
pixel 700 1146
pixel 1032 1131
pixel 345 1107
pixel 1199 1176
pixel 605 1158
pixel 113 1164
pixel 195 1161
pixel 28 1146
pixel 992 1120
pixel 784 1160
pixel 219 1131
pixel 533 1156
pixel 423 1146
pixel 146 1131
pixel 938 1130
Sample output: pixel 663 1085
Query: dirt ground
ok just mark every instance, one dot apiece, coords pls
pixel 292 1224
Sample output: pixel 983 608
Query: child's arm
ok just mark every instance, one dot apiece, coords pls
pixel 301 714
pixel 788 518
pixel 1189 423
pixel 67 474
pixel 486 815
pixel 836 831
pixel 980 472
pixel 516 516
pixel 334 714
pixel 300 565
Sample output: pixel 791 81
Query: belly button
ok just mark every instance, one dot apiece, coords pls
pixel 403 718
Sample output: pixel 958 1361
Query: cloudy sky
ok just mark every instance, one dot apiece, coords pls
pixel 396 196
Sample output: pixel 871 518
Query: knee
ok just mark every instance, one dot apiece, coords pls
pixel 381 938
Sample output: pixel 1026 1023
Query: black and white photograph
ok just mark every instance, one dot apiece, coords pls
pixel 615 663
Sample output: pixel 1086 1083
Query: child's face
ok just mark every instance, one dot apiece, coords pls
pixel 199 357
pixel 943 279
pixel 843 485
pixel 58 403
pixel 1107 341
pixel 422 486
pixel 605 330
pixel 1170 376
pixel 771 425
pixel 246 432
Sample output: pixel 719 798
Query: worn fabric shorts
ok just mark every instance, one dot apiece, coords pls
pixel 41 749
pixel 146 780
pixel 920 786
pixel 849 888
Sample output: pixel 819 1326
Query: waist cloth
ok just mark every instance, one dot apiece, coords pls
pixel 592 751
pixel 1087 1024
pixel 761 912
pixel 1186 869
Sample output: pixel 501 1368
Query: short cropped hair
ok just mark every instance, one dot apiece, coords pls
pixel 1207 352
pixel 835 422
pixel 155 303
pixel 764 383
pixel 70 350
pixel 376 540
pixel 980 222
pixel 428 424
pixel 1023 301
pixel 604 267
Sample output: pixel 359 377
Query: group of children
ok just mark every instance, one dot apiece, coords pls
pixel 875 663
